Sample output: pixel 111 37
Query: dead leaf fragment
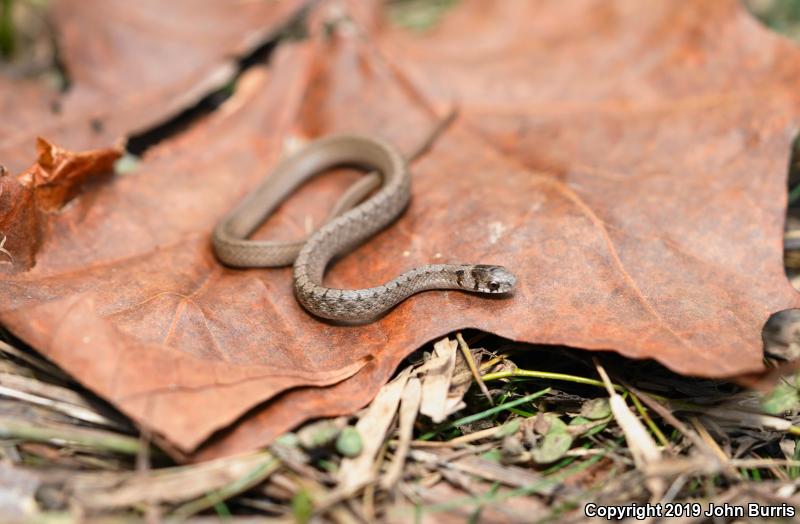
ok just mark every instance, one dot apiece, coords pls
pixel 555 442
pixel 438 372
pixel 373 427
pixel 27 200
pixel 58 174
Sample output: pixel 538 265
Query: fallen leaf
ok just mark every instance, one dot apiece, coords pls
pixel 595 409
pixel 131 66
pixel 636 238
pixel 555 443
pixel 608 159
pixel 27 200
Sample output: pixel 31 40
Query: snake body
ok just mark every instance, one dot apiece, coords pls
pixel 354 219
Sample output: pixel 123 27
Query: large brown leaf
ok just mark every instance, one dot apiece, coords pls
pixel 122 303
pixel 647 114
pixel 625 160
pixel 132 65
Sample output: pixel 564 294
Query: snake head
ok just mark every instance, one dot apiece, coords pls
pixel 488 279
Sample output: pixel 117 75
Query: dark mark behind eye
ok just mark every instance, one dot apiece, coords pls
pixel 476 276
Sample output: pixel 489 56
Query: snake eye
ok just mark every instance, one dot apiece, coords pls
pixel 494 286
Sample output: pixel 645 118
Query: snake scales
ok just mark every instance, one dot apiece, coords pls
pixel 352 221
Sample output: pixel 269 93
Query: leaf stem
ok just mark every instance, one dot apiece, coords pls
pixel 547 375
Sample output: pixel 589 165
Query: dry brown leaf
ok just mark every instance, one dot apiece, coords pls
pixel 627 162
pixel 131 66
pixel 28 200
pixel 638 208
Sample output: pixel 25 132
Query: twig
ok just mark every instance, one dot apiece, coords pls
pixel 473 368
pixel 649 421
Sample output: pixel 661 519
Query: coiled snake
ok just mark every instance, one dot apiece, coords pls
pixel 352 221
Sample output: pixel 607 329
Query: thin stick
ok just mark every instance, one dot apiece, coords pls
pixel 462 345
pixel 649 421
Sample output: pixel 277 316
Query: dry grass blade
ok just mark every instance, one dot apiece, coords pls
pixel 168 485
pixel 709 440
pixel 465 350
pixel 667 415
pixel 409 408
pixel 508 475
pixel 25 389
pixel 62 435
pixel 641 444
pixel 252 477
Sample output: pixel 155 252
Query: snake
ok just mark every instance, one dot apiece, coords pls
pixel 367 207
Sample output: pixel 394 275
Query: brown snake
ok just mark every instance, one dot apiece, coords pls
pixel 352 221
